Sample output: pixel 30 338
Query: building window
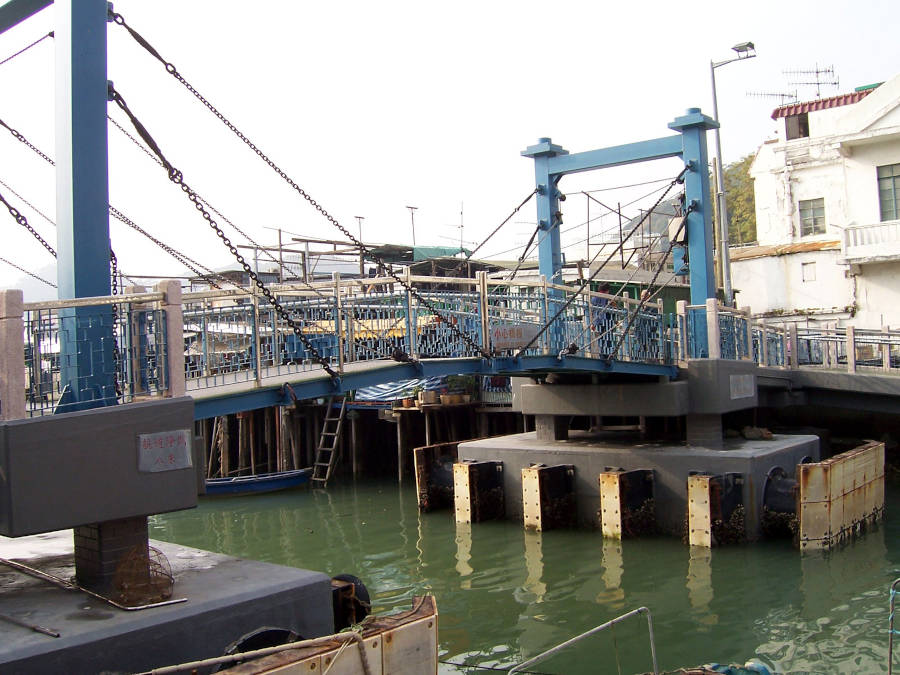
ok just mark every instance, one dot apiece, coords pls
pixel 796 126
pixel 812 217
pixel 889 191
pixel 808 271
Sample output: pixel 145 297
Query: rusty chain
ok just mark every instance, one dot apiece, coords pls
pixel 178 178
pixel 173 71
pixel 23 221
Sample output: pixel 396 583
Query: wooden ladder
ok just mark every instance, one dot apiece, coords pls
pixel 326 451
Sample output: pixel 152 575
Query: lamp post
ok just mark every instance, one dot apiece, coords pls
pixel 412 217
pixel 744 50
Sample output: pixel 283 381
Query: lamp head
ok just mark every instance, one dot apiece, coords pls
pixel 745 50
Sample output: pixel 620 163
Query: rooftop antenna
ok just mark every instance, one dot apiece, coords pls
pixel 784 98
pixel 823 76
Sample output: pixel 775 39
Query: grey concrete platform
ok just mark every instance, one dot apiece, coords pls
pixel 593 453
pixel 226 598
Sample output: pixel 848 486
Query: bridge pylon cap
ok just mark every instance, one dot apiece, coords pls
pixel 693 118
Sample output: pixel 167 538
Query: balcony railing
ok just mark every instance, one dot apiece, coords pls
pixel 877 242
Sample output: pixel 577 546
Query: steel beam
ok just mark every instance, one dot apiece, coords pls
pixel 617 155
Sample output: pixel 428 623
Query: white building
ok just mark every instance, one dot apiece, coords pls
pixel 828 213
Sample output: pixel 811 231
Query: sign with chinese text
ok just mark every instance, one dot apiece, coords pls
pixel 164 451
pixel 512 336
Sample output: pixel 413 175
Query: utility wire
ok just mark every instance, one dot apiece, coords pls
pixel 26 48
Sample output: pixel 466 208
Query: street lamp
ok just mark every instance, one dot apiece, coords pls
pixel 412 217
pixel 744 50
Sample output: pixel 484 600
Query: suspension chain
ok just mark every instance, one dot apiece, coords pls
pixel 177 177
pixel 23 221
pixel 173 71
pixel 28 204
pixel 19 137
pixel 31 274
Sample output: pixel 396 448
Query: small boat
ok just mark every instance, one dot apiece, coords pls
pixel 257 483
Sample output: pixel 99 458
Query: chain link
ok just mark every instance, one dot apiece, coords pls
pixel 178 178
pixel 28 204
pixel 19 137
pixel 172 70
pixel 31 274
pixel 23 221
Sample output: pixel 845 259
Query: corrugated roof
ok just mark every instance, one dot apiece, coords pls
pixel 748 252
pixel 820 104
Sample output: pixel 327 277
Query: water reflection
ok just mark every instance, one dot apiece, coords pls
pixel 699 585
pixel 534 565
pixel 504 593
pixel 464 553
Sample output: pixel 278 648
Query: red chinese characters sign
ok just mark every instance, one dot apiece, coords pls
pixel 164 451
pixel 512 336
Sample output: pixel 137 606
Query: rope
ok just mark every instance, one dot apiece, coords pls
pixel 173 71
pixel 31 274
pixel 25 49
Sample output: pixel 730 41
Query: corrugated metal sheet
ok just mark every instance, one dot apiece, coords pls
pixel 820 104
pixel 748 252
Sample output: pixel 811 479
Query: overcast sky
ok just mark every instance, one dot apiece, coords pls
pixel 371 107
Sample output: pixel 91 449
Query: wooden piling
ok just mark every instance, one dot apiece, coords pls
pixel 478 491
pixel 548 496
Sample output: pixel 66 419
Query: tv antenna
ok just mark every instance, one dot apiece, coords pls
pixel 784 98
pixel 823 77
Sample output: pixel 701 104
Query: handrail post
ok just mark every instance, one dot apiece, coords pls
pixel 682 326
pixel 713 332
pixel 763 343
pixel 886 350
pixel 483 309
pixel 257 360
pixel 851 349
pixel 411 321
pixel 135 347
pixel 748 329
pixel 795 345
pixel 338 319
pixel 12 356
pixel 174 313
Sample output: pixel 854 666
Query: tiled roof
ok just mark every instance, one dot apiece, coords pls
pixel 820 104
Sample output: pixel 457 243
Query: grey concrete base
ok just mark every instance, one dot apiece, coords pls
pixel 227 598
pixel 594 453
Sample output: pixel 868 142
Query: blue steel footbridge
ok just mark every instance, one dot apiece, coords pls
pixel 235 349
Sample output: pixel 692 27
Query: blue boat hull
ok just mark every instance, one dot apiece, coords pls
pixel 264 482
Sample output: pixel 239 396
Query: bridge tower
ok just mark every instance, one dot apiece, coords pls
pixel 552 162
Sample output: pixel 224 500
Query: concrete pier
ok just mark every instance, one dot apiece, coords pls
pixel 593 453
pixel 226 598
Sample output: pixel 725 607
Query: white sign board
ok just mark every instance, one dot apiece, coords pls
pixel 512 336
pixel 164 451
pixel 742 386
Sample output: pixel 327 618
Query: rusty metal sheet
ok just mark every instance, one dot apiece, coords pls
pixel 531 497
pixel 699 515
pixel 610 505
pixel 462 496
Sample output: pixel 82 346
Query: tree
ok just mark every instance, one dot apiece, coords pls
pixel 739 201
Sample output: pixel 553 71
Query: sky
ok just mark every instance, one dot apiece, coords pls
pixel 373 107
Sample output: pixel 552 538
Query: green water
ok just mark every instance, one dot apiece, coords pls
pixel 505 595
